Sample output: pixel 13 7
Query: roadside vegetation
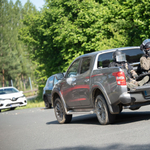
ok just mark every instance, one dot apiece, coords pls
pixel 33 104
pixel 15 64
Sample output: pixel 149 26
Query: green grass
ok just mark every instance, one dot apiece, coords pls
pixel 33 104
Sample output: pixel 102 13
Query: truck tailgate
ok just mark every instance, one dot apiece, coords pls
pixel 145 89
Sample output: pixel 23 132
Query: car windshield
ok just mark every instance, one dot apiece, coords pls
pixel 8 91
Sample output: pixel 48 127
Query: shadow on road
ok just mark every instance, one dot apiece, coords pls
pixel 122 118
pixel 110 147
pixel 129 117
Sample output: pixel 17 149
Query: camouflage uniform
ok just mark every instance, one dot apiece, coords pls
pixel 130 74
pixel 145 63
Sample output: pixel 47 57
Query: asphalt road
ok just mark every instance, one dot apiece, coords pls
pixel 37 129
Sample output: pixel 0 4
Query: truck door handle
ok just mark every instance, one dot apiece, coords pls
pixel 74 83
pixel 86 80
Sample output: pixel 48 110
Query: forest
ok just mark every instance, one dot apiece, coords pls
pixel 41 43
pixel 15 64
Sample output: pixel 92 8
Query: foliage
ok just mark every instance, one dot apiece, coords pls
pixel 14 61
pixel 65 29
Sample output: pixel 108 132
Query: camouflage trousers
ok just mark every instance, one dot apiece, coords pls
pixel 131 83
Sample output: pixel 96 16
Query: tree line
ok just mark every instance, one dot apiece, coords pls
pixel 14 56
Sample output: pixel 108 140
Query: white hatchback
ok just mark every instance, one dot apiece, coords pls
pixel 11 98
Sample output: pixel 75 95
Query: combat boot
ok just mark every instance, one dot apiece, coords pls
pixel 143 81
pixel 131 85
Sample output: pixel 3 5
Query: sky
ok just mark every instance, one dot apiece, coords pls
pixel 38 3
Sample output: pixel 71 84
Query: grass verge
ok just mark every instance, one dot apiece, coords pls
pixel 33 104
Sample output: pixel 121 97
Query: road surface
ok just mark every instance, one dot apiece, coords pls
pixel 37 129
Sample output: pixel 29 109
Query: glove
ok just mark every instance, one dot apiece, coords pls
pixel 135 76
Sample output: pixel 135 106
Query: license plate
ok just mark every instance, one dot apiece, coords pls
pixel 14 105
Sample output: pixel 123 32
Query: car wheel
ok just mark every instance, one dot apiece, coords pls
pixel 47 104
pixel 102 111
pixel 13 108
pixel 60 114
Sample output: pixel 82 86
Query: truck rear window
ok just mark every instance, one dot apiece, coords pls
pixel 132 56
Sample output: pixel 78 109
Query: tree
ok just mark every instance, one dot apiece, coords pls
pixel 13 53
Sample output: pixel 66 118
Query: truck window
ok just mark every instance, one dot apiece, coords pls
pixel 104 59
pixel 73 70
pixel 132 56
pixel 85 66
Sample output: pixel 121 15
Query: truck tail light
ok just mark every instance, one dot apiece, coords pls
pixel 120 77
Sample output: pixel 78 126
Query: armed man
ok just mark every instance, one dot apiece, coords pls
pixel 145 59
pixel 119 60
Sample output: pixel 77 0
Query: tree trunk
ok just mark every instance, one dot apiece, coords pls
pixel 23 82
pixel 3 78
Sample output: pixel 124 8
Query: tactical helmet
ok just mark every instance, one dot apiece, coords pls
pixel 145 44
pixel 145 47
pixel 118 56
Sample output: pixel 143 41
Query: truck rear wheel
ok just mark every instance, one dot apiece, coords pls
pixel 60 114
pixel 102 111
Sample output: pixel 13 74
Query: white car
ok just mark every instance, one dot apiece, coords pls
pixel 11 98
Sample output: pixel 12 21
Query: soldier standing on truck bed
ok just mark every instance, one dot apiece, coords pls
pixel 145 59
pixel 119 60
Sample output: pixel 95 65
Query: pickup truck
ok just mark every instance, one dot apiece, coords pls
pixel 90 86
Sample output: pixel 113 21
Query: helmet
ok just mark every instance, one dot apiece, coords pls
pixel 144 46
pixel 118 56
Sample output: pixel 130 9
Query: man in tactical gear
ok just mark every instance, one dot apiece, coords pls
pixel 119 60
pixel 145 59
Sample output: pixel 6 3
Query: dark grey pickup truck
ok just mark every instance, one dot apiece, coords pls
pixel 90 86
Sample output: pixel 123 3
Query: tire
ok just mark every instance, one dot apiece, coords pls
pixel 120 108
pixel 13 108
pixel 102 111
pixel 47 104
pixel 60 114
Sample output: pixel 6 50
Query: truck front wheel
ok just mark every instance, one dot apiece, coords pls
pixel 60 114
pixel 102 111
